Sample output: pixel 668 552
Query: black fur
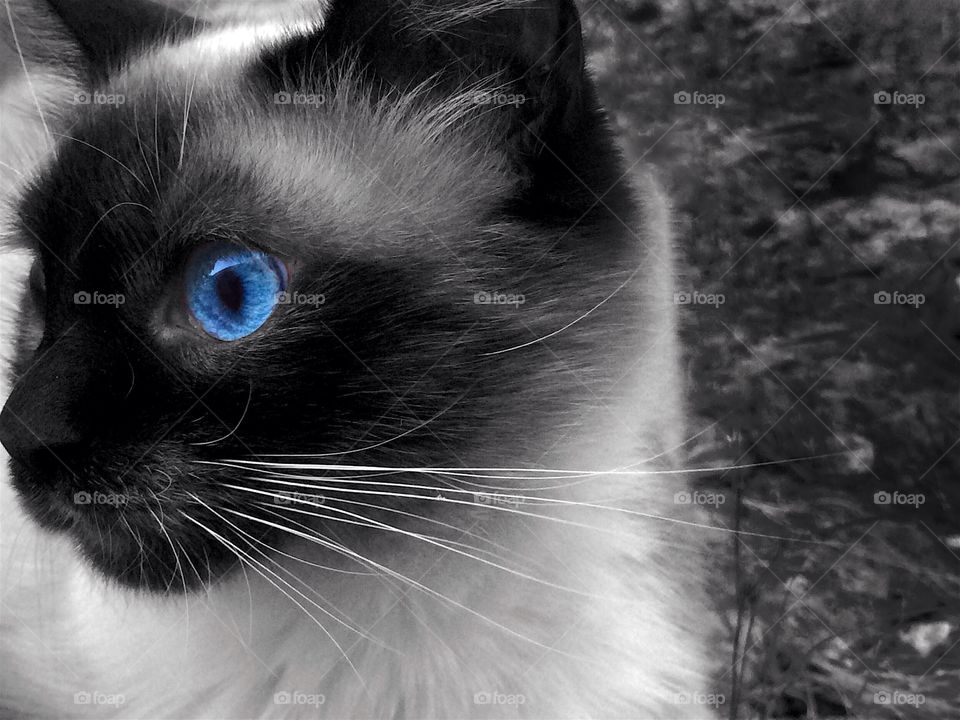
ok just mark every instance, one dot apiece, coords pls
pixel 116 399
pixel 558 137
pixel 109 32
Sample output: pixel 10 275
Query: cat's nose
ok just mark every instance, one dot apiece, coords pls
pixel 36 435
pixel 58 406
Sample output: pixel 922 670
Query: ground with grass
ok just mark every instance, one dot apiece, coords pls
pixel 827 220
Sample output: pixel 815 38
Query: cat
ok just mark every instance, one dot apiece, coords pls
pixel 342 373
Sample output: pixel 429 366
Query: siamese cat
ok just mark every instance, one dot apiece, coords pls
pixel 340 370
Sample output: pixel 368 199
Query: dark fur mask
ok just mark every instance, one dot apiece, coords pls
pixel 446 153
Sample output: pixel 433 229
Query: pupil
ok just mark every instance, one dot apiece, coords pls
pixel 230 290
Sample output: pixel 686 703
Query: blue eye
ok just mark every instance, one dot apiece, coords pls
pixel 231 291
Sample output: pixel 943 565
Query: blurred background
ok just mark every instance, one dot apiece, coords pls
pixel 812 149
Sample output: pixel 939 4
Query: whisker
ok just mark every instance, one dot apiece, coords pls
pixel 432 521
pixel 186 557
pixel 104 215
pixel 11 168
pixel 146 165
pixel 235 427
pixel 673 449
pixel 258 566
pixel 399 593
pixel 427 539
pixel 186 115
pixel 429 591
pixel 285 582
pixel 142 554
pixel 234 630
pixel 243 564
pixel 303 561
pixel 515 473
pixel 413 515
pixel 381 443
pixel 531 500
pixel 340 548
pixel 176 556
pixel 156 139
pixel 570 324
pixel 104 152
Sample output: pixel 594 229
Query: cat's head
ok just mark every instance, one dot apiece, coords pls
pixel 399 239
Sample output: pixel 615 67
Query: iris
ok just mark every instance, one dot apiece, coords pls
pixel 231 291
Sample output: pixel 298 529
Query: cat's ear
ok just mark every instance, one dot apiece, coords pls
pixel 99 34
pixel 525 56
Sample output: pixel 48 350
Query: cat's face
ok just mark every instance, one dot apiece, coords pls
pixel 224 278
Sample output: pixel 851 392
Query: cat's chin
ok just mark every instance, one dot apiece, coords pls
pixel 125 545
pixel 148 568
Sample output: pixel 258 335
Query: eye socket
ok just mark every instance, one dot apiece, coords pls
pixel 231 291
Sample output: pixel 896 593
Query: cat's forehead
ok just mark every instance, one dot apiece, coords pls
pixel 177 156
